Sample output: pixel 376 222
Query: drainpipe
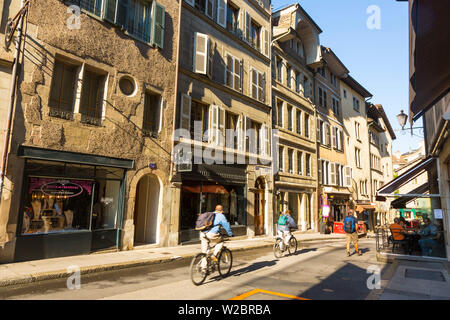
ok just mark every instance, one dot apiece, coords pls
pixel 14 75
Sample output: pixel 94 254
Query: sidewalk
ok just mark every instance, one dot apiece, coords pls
pixel 414 280
pixel 39 270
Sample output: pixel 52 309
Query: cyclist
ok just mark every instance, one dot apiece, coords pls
pixel 213 235
pixel 284 225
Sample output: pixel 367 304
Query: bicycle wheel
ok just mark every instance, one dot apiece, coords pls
pixel 197 275
pixel 277 249
pixel 292 246
pixel 225 261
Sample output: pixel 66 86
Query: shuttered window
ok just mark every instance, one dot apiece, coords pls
pixel 92 97
pixel 152 114
pixel 63 88
pixel 257 85
pixel 233 73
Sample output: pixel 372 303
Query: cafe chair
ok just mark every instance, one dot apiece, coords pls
pixel 398 243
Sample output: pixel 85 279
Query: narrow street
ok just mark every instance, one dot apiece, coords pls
pixel 319 270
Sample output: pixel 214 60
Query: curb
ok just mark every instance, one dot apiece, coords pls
pixel 59 274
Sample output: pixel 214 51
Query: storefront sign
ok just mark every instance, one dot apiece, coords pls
pixel 60 188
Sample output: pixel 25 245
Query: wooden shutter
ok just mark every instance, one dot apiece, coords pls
pixel 333 173
pixel 266 42
pixel 222 13
pixel 320 172
pixel 318 131
pixel 247 25
pixel 327 134
pixel 348 177
pixel 200 53
pixel 209 66
pixel 247 126
pixel 254 84
pixel 160 114
pixel 241 75
pixel 334 129
pixel 109 10
pixel 185 112
pixel 158 24
pixel 241 133
pixel 341 140
pixel 229 69
pixel 213 125
pixel 221 120
pixel 262 93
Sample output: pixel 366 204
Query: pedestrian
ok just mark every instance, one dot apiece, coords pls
pixel 351 234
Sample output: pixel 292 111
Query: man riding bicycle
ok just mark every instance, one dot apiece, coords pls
pixel 213 235
pixel 284 225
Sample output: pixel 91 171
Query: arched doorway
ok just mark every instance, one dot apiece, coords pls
pixel 146 210
pixel 260 204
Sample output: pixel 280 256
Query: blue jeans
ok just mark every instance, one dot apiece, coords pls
pixel 427 245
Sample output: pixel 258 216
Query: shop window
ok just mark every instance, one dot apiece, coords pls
pixel 62 197
pixel 62 90
pixel 199 197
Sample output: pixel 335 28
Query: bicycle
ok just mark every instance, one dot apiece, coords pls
pixel 223 264
pixel 291 248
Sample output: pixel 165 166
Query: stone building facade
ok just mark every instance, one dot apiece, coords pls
pixel 294 56
pixel 90 154
pixel 353 96
pixel 334 173
pixel 224 115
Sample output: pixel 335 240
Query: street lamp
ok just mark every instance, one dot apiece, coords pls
pixel 402 118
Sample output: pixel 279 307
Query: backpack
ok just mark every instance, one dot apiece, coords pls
pixel 282 220
pixel 204 221
pixel 349 225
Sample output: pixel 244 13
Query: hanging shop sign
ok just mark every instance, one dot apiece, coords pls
pixel 325 211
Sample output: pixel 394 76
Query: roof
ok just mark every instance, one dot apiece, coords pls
pixel 334 62
pixel 352 83
pixel 378 111
pixel 308 17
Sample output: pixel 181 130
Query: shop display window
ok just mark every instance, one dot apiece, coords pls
pixel 198 198
pixel 62 197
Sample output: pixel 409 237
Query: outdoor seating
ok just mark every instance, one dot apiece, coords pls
pixel 403 243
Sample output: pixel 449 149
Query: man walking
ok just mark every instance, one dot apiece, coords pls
pixel 351 235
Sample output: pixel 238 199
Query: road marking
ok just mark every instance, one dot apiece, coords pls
pixel 255 291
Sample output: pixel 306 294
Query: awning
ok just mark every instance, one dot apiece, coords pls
pixel 401 202
pixel 388 190
pixel 223 174
pixel 362 207
pixel 207 188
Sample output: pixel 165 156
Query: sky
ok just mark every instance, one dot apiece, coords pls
pixel 376 57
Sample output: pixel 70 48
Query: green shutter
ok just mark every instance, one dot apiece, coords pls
pixel 158 21
pixel 109 11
